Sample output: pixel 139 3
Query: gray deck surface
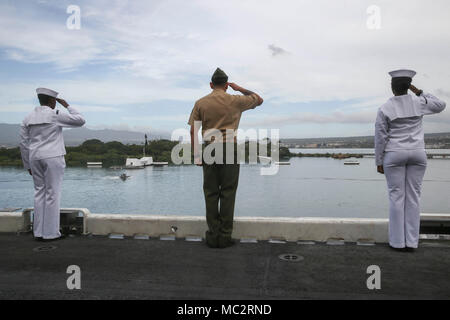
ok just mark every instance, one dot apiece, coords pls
pixel 155 269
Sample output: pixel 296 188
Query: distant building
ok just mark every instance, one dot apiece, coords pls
pixel 134 163
pixel 147 161
pixel 335 144
pixel 435 146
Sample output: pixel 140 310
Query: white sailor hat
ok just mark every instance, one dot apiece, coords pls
pixel 402 73
pixel 47 92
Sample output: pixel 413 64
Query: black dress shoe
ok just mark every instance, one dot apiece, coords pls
pixel 40 239
pixel 226 242
pixel 211 239
pixel 409 249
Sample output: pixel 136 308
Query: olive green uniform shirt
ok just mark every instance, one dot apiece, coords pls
pixel 220 110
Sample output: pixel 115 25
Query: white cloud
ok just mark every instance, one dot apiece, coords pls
pixel 167 50
pixel 334 55
pixel 22 107
pixel 155 119
pixel 308 117
pixel 88 109
pixel 16 108
pixel 34 39
pixel 134 128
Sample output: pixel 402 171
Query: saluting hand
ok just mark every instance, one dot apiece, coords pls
pixel 234 86
pixel 414 89
pixel 62 102
pixel 380 169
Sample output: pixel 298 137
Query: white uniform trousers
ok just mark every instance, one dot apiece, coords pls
pixel 47 177
pixel 404 170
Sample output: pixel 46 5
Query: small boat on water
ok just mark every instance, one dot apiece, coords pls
pixel 94 164
pixel 268 160
pixel 135 163
pixel 160 164
pixel 351 162
pixel 283 163
pixel 124 176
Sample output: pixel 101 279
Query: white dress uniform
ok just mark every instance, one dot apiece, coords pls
pixel 400 149
pixel 42 149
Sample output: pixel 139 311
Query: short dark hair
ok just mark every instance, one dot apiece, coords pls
pixel 219 81
pixel 401 84
pixel 44 99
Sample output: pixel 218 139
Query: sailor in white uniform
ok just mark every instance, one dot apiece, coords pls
pixel 42 149
pixel 400 155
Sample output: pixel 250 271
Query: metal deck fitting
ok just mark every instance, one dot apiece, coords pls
pixel 167 238
pixel 118 236
pixel 248 240
pixel 335 242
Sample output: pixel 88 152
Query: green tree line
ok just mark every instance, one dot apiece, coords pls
pixel 111 153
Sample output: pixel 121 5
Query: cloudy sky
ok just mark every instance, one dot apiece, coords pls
pixel 320 65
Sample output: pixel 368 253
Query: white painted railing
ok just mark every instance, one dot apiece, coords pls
pixel 259 228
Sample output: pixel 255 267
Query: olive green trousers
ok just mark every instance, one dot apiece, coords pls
pixel 220 182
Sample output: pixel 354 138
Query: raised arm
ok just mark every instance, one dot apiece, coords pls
pixel 430 104
pixel 246 92
pixel 72 119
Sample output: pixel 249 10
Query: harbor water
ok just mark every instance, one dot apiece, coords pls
pixel 309 187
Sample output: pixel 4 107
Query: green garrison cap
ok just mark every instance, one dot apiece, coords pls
pixel 219 76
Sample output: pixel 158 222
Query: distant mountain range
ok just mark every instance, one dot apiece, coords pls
pixel 9 135
pixel 432 140
pixel 356 138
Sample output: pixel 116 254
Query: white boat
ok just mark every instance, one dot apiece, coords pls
pixel 94 164
pixel 160 164
pixel 134 163
pixel 283 163
pixel 269 160
pixel 351 162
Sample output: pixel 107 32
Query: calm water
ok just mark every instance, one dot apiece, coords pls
pixel 309 187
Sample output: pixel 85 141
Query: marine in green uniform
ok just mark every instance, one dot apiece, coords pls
pixel 220 111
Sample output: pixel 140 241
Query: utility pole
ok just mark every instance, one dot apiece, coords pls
pixel 145 145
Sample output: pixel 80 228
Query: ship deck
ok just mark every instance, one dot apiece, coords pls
pixel 156 269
